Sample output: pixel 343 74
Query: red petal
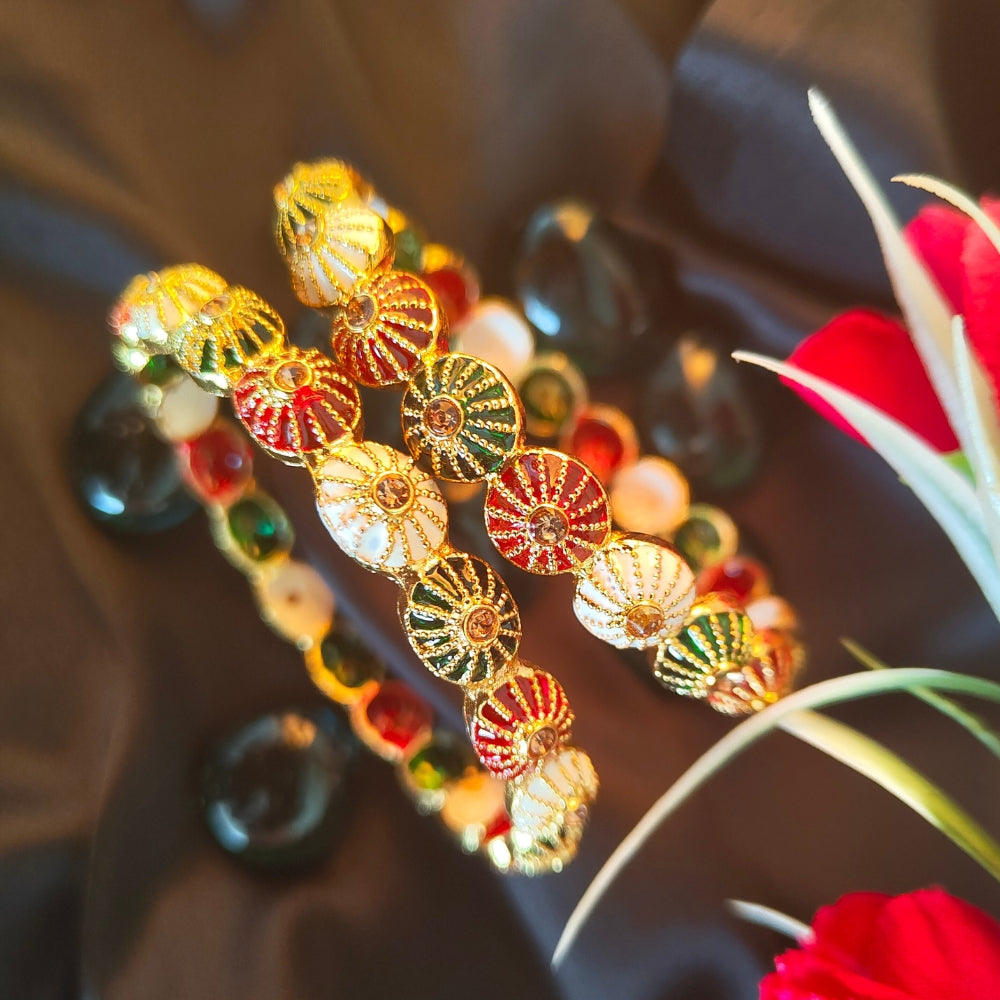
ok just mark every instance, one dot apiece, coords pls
pixel 843 930
pixel 937 947
pixel 937 233
pixel 872 356
pixel 981 293
pixel 800 975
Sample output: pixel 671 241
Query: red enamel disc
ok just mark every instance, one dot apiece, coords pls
pixel 547 513
pixel 520 722
pixel 387 328
pixel 299 403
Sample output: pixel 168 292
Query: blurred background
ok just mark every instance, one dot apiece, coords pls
pixel 132 136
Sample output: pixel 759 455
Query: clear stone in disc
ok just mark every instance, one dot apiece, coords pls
pixel 482 624
pixel 393 492
pixel 214 308
pixel 547 525
pixel 443 416
pixel 360 311
pixel 644 620
pixel 542 742
pixel 291 376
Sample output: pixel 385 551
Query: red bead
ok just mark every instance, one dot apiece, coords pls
pixel 744 578
pixel 779 651
pixel 604 439
pixel 457 291
pixel 499 827
pixel 393 720
pixel 218 464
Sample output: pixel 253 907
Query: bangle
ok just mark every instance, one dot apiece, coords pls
pixel 249 527
pixel 716 656
pixel 547 511
pixel 740 647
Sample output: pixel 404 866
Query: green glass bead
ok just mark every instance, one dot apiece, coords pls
pixel 589 288
pixel 259 528
pixel 708 536
pixel 274 791
pixel 552 392
pixel 123 473
pixel 443 759
pixel 430 773
pixel 409 249
pixel 159 370
pixel 547 399
pixel 695 413
pixel 350 663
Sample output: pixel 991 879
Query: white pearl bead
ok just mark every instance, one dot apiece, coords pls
pixel 772 612
pixel 184 410
pixel 650 496
pixel 296 602
pixel 495 332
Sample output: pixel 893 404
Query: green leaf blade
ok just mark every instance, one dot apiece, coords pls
pixel 829 692
pixel 927 313
pixel 970 722
pixel 874 761
pixel 948 496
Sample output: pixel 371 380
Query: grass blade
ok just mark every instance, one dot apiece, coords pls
pixel 970 722
pixel 928 315
pixel 984 432
pixel 775 920
pixel 954 196
pixel 738 739
pixel 947 494
pixel 868 757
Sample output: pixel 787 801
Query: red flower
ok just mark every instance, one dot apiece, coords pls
pixel 924 945
pixel 872 356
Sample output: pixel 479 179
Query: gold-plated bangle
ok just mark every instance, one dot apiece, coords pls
pixel 253 532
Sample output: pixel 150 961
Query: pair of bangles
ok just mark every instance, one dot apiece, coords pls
pixel 463 422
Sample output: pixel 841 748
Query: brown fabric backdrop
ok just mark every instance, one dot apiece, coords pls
pixel 135 135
